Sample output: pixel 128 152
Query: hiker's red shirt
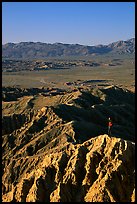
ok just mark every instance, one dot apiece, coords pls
pixel 109 124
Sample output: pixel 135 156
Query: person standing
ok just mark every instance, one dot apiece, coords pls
pixel 109 126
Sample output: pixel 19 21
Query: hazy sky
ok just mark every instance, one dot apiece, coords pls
pixel 87 23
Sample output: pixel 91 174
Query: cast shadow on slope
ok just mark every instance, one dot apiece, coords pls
pixel 89 114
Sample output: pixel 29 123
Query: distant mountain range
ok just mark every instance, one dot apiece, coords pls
pixel 37 50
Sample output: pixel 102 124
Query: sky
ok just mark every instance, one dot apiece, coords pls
pixel 85 23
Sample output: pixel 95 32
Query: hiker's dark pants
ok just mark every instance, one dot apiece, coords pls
pixel 109 130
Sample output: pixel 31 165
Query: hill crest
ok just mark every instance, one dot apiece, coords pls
pixel 35 50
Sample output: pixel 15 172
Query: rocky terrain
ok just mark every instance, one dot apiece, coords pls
pixel 40 65
pixel 32 65
pixel 38 50
pixel 55 146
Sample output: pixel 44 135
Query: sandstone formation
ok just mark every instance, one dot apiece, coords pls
pixel 55 147
pixel 98 170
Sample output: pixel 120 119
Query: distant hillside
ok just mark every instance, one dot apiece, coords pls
pixel 27 50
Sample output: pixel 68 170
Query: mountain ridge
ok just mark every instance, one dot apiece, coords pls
pixel 25 50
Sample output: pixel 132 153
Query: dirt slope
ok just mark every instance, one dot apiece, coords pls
pixel 55 147
pixel 99 170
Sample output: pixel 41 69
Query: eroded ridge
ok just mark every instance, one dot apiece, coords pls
pixel 55 147
pixel 98 170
